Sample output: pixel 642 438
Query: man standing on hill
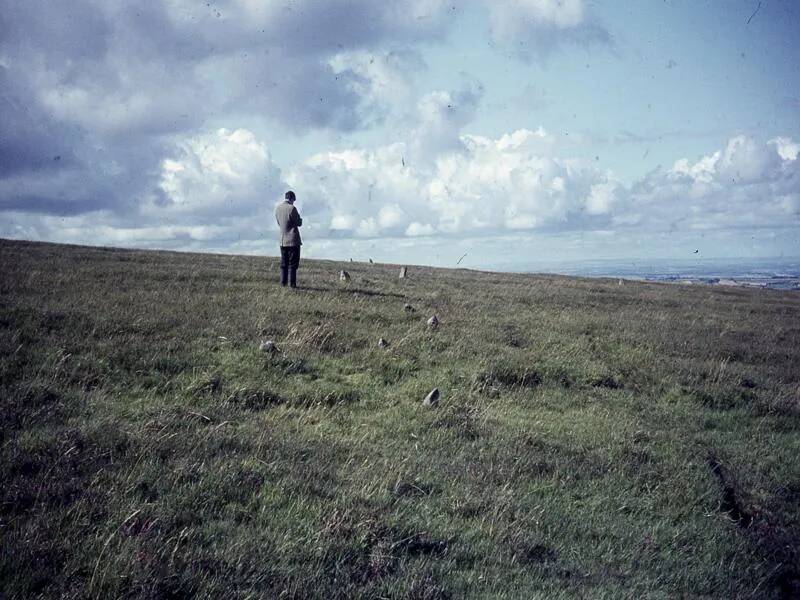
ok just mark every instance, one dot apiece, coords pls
pixel 289 220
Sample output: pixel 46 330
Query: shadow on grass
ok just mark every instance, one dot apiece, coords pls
pixel 349 290
pixel 775 541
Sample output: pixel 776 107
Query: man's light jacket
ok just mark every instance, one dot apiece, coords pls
pixel 288 220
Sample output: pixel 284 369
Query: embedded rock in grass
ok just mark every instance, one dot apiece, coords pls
pixel 212 385
pixel 403 272
pixel 344 276
pixel 432 399
pixel 409 309
pixel 433 322
pixel 268 347
pixel 382 343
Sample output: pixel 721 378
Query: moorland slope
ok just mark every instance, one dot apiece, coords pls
pixel 592 439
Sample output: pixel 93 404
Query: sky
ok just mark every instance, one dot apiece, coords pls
pixel 498 133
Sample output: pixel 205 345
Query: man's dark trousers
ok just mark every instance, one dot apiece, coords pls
pixel 290 260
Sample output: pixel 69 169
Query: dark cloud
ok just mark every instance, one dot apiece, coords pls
pixel 540 43
pixel 308 28
pixel 56 166
pixel 27 144
pixel 63 32
pixel 441 117
pixel 96 93
pixel 532 30
pixel 300 95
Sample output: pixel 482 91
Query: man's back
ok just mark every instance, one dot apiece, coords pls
pixel 288 220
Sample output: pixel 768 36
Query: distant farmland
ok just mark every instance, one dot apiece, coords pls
pixel 591 439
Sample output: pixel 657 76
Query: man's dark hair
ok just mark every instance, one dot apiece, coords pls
pixel 289 195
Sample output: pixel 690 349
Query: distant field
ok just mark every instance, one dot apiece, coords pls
pixel 592 439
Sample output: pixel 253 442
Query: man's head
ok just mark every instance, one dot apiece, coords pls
pixel 289 196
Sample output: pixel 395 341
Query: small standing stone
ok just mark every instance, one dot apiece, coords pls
pixel 619 282
pixel 403 272
pixel 433 322
pixel 344 276
pixel 432 399
pixel 268 347
pixel 409 309
pixel 382 343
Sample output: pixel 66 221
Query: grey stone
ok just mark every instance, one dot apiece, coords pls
pixel 382 343
pixel 344 276
pixel 268 347
pixel 433 322
pixel 214 384
pixel 409 309
pixel 432 399
pixel 403 272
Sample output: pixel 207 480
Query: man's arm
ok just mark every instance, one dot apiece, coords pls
pixel 296 218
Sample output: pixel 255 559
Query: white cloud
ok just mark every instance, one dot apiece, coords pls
pixel 222 173
pixel 703 171
pixel 747 160
pixel 744 184
pixel 391 216
pixel 474 184
pixel 495 185
pixel 366 192
pixel 416 229
pixel 218 189
pixel 786 148
pixel 383 80
pixel 602 198
pixel 519 182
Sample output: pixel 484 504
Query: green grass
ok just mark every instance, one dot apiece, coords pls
pixel 592 439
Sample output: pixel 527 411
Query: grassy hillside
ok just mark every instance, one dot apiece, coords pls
pixel 592 439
